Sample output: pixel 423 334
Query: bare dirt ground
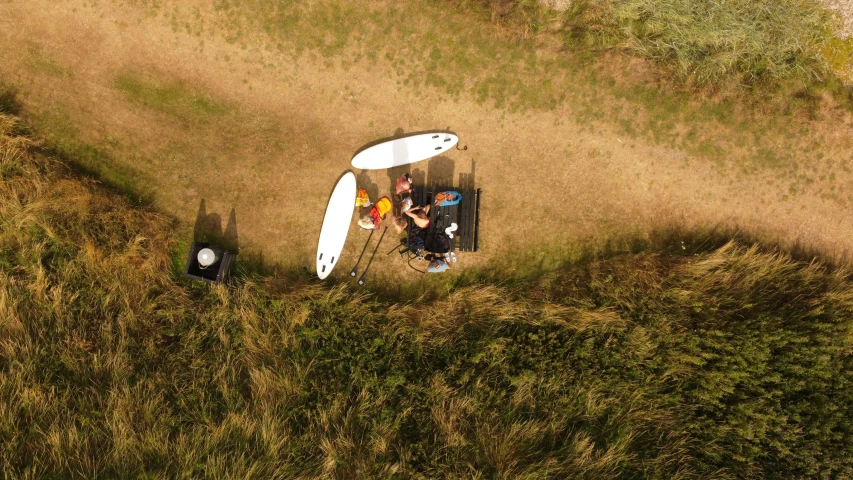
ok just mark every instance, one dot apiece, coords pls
pixel 287 133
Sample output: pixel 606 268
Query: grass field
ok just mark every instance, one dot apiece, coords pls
pixel 688 360
pixel 597 335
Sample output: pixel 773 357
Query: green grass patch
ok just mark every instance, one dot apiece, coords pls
pixel 36 60
pixel 437 45
pixel 839 53
pixel 96 162
pixel 172 98
pixel 63 140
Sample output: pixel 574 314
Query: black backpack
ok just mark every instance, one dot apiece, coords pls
pixel 438 242
pixel 418 239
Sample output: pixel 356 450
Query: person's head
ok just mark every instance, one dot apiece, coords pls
pixel 399 224
pixel 422 214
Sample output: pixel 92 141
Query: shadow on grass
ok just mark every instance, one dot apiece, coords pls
pixel 513 271
pixel 674 241
pixel 94 162
pixel 364 181
pixel 440 171
pixel 9 103
pixel 208 228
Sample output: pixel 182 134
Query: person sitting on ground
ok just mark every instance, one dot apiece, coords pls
pixel 404 184
pixel 420 215
pixel 446 199
pixel 437 263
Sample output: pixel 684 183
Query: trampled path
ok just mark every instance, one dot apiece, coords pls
pixel 286 133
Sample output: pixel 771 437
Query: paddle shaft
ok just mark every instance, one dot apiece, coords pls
pixel 354 270
pixel 364 275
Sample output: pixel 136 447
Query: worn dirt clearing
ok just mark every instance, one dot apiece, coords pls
pixel 286 133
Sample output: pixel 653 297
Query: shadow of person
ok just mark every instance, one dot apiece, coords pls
pixel 208 226
pixel 208 229
pixel 400 153
pixel 230 241
pixel 440 172
pixel 418 177
pixel 467 181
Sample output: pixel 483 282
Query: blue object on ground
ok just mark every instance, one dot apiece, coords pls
pixel 448 203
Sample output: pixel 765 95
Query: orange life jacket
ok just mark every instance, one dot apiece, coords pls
pixel 383 206
pixel 362 200
pixel 379 210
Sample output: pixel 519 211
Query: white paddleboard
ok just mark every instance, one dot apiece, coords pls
pixel 402 151
pixel 336 225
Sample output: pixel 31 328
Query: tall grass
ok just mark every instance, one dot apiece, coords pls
pixel 706 41
pixel 734 363
pixel 713 41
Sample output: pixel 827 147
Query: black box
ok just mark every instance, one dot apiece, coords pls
pixel 217 273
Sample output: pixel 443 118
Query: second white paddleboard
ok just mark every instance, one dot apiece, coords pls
pixel 336 225
pixel 402 151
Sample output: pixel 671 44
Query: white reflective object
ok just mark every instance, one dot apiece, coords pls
pixel 206 258
pixel 405 150
pixel 452 228
pixel 336 223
